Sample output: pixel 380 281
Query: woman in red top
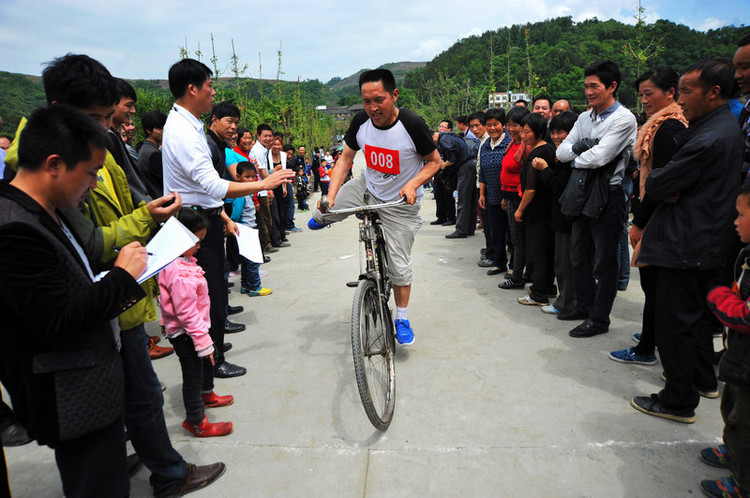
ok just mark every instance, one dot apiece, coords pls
pixel 245 142
pixel 510 178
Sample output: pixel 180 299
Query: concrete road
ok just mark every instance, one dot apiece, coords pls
pixel 493 399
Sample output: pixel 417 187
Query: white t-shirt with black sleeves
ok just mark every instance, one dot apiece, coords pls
pixel 394 155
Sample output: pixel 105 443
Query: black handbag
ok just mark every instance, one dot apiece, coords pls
pixel 89 388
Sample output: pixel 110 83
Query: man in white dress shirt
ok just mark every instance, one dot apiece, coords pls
pixel 188 169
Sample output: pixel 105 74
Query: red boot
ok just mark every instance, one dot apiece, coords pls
pixel 156 352
pixel 207 429
pixel 211 400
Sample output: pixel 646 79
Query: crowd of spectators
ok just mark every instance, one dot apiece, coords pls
pixel 554 196
pixel 551 188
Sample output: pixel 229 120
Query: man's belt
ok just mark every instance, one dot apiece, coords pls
pixel 209 211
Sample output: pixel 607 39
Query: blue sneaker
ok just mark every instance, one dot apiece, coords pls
pixel 725 487
pixel 636 337
pixel 630 356
pixel 294 229
pixel 404 333
pixel 717 456
pixel 314 225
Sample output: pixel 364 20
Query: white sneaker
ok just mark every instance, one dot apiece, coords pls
pixel 528 301
pixel 549 309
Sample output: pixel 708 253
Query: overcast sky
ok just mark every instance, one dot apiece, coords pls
pixel 319 38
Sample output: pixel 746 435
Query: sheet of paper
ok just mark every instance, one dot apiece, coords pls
pixel 249 244
pixel 169 243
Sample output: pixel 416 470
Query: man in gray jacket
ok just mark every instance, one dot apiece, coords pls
pixel 601 138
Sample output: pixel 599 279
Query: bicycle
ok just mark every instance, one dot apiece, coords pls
pixel 372 328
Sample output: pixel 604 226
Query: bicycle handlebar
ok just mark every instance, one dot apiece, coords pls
pixel 360 209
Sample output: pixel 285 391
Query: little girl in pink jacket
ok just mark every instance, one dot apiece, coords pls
pixel 185 315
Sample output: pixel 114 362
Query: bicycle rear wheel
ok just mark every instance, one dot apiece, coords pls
pixel 374 366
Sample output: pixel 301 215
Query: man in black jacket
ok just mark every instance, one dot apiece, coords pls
pixel 222 125
pixel 124 111
pixel 149 160
pixel 685 238
pixel 62 367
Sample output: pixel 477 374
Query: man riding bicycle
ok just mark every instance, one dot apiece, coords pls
pixel 401 156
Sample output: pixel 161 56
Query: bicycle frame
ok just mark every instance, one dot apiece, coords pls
pixel 372 264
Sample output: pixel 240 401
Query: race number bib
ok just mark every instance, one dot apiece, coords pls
pixel 382 160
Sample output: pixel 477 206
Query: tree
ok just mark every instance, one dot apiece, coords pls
pixel 639 51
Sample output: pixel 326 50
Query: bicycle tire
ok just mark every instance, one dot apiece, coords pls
pixel 382 268
pixel 374 365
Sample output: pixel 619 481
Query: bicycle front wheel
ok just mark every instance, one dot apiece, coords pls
pixel 374 365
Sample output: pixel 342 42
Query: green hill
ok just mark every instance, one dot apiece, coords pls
pixel 547 56
pixel 399 70
pixel 557 51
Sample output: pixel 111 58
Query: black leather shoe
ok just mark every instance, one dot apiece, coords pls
pixel 449 223
pixel 133 463
pixel 225 370
pixel 227 346
pixel 266 259
pixel 456 235
pixel 495 270
pixel 195 478
pixel 574 314
pixel 438 221
pixel 588 329
pixel 233 310
pixel 231 327
pixel 15 435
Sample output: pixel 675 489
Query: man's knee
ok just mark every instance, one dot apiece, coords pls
pixel 401 278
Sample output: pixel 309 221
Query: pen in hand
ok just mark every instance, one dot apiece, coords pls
pixel 118 248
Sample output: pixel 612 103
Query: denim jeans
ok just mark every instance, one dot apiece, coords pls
pixel 301 202
pixel 250 274
pixel 517 236
pixel 144 417
pixel 289 208
pixel 593 255
pixel 496 223
pixel 197 377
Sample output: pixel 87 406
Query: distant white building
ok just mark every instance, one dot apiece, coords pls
pixel 505 100
pixel 340 112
